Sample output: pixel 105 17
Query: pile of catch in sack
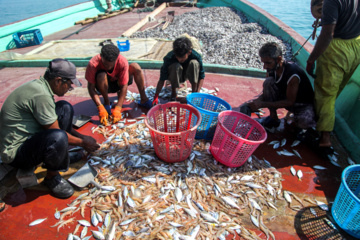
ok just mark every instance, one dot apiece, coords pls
pixel 226 35
pixel 142 197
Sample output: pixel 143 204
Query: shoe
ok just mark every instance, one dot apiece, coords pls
pixel 75 156
pixel 59 186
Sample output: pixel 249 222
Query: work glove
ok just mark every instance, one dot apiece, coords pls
pixel 156 100
pixel 103 115
pixel 310 67
pixel 116 114
pixel 108 109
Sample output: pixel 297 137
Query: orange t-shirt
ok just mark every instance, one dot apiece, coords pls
pixel 120 71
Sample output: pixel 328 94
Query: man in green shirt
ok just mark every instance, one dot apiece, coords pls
pixel 180 64
pixel 34 129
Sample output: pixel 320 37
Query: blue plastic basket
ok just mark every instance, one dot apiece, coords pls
pixel 209 107
pixel 27 38
pixel 123 46
pixel 346 207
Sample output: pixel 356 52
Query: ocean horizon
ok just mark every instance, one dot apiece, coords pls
pixel 296 14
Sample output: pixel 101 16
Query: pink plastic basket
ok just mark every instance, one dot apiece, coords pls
pixel 236 137
pixel 172 127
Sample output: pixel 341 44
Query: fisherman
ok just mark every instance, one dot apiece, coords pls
pixel 35 129
pixel 109 72
pixel 286 86
pixel 109 7
pixel 180 64
pixel 337 53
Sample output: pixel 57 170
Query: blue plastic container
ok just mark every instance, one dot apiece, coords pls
pixel 209 107
pixel 346 207
pixel 123 46
pixel 27 38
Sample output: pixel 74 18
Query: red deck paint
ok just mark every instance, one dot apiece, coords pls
pixel 27 205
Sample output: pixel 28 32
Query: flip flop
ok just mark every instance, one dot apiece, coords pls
pixel 2 205
pixel 147 104
pixel 325 152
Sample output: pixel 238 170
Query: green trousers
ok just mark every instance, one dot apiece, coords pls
pixel 334 69
pixel 178 74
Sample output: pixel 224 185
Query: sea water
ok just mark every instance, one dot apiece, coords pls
pixel 294 13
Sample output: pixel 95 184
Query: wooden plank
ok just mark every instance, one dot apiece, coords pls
pixel 145 20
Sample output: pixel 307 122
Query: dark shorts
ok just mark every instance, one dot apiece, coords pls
pixel 113 83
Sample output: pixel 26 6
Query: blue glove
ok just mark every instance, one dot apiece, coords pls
pixel 108 109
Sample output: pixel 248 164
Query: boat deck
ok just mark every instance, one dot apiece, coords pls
pixel 26 205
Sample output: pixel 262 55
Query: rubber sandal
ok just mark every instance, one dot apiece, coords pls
pixel 147 104
pixel 2 205
pixel 325 152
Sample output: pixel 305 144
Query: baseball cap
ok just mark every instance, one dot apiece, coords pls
pixel 65 69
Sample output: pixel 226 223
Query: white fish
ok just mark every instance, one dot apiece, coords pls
pixel 84 223
pixel 190 212
pixel 297 153
pixel 119 201
pixel 273 142
pixel 208 217
pixel 253 185
pixel 255 204
pixel 283 142
pixel 107 220
pixel 70 237
pixel 68 209
pixel 276 145
pixel 254 221
pixel 57 214
pixel 195 231
pixel 174 224
pixel 295 143
pixel 98 235
pixel 126 222
pixel 350 161
pixel 178 194
pixel 246 178
pixel 319 167
pixel 146 199
pixel 299 174
pixel 83 232
pixel 313 211
pixel 285 153
pixel 322 205
pixel 130 202
pixel 129 234
pixel 292 170
pixel 94 219
pixel 287 197
pixel 36 222
pixel 230 202
pixel 272 205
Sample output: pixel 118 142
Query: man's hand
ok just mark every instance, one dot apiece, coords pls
pixel 255 105
pixel 103 115
pixel 89 144
pixel 116 114
pixel 310 66
pixel 156 100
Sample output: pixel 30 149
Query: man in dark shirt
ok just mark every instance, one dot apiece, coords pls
pixel 337 52
pixel 180 64
pixel 286 86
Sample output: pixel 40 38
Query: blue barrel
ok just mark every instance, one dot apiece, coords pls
pixel 346 207
pixel 209 107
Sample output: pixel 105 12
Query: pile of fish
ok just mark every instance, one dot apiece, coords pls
pixel 226 35
pixel 142 197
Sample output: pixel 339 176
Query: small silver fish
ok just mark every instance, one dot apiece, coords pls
pixel 322 205
pixel 254 221
pixel 297 153
pixel 208 217
pixel 83 232
pixel 292 170
pixel 350 161
pixel 84 223
pixel 283 142
pixel 299 174
pixel 98 235
pixel 36 222
pixel 57 214
pixel 295 143
pixel 126 222
pixel 313 211
pixel 319 167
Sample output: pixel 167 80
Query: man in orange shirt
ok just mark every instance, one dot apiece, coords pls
pixel 110 72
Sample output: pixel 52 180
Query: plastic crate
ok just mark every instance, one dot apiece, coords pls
pixel 123 46
pixel 172 127
pixel 236 137
pixel 27 38
pixel 346 207
pixel 209 107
